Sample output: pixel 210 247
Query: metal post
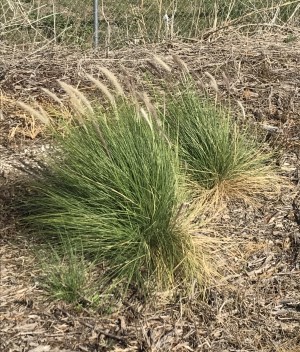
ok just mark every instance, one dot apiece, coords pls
pixel 96 24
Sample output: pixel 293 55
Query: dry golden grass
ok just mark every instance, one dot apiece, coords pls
pixel 250 188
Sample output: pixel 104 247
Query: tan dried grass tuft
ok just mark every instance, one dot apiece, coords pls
pixel 249 188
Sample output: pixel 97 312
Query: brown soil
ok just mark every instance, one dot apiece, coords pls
pixel 257 306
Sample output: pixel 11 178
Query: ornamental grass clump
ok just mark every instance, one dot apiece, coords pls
pixel 223 162
pixel 113 189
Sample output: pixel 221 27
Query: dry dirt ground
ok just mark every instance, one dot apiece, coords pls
pixel 257 306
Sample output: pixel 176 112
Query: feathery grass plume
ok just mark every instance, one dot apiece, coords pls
pixel 41 115
pixel 113 79
pixel 226 81
pixel 128 80
pixel 76 103
pixel 150 107
pixel 153 113
pixel 121 207
pixel 157 70
pixel 242 109
pixel 102 87
pixel 213 81
pixel 222 160
pixel 53 96
pixel 180 63
pixel 43 112
pixel 77 98
pixel 162 63
pixel 147 118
